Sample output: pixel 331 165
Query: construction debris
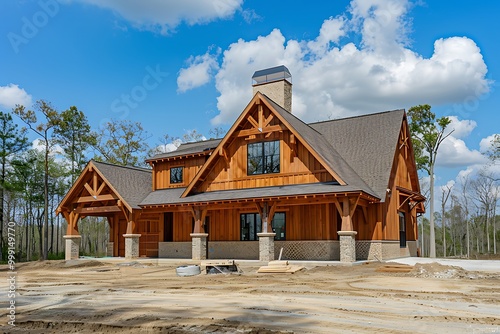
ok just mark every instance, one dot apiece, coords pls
pixel 225 267
pixel 279 267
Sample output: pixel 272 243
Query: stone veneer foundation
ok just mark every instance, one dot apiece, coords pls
pixel 266 246
pixel 347 246
pixel 131 245
pixel 199 246
pixel 72 250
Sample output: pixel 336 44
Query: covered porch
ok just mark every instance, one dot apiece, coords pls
pixel 309 226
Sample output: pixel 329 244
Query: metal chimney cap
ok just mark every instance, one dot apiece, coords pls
pixel 272 74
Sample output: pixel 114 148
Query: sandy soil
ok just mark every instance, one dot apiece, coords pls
pixel 98 297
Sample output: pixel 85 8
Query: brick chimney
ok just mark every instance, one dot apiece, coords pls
pixel 276 84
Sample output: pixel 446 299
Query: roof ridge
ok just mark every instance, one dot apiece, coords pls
pixel 356 116
pixel 140 169
pixel 200 141
pixel 291 114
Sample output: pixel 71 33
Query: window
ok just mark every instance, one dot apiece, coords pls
pixel 278 225
pixel 251 224
pixel 263 158
pixel 402 229
pixel 176 175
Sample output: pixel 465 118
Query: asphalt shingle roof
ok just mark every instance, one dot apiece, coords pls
pixel 367 143
pixel 133 184
pixel 359 149
pixel 189 148
pixel 326 150
pixel 173 196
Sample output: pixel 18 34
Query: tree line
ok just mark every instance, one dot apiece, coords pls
pixel 34 178
pixel 467 217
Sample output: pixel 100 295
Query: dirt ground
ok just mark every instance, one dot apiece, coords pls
pixel 88 296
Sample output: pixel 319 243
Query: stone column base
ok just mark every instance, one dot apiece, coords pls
pixel 72 251
pixel 199 246
pixel 347 246
pixel 131 245
pixel 266 246
pixel 109 248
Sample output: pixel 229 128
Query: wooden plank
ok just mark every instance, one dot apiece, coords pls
pixel 87 199
pixel 254 131
pixel 98 209
pixel 89 189
pixel 205 263
pixel 279 270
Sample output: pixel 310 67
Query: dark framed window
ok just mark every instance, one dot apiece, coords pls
pixel 402 229
pixel 263 158
pixel 176 174
pixel 251 224
pixel 279 226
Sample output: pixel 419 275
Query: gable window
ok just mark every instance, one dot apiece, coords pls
pixel 263 158
pixel 251 224
pixel 176 175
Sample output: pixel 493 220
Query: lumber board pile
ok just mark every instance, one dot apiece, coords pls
pixel 279 267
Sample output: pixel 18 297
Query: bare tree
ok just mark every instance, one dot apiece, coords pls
pixel 446 191
pixel 485 195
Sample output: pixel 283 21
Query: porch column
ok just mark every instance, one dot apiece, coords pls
pixel 266 246
pixel 72 237
pixel 199 237
pixel 199 246
pixel 131 241
pixel 72 250
pixel 347 246
pixel 131 245
pixel 347 236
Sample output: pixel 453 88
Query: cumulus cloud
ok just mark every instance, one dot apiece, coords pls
pixel 486 144
pixel 453 152
pixel 164 16
pixel 11 95
pixel 461 128
pixel 334 78
pixel 199 71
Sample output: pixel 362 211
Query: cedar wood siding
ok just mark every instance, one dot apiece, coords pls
pixel 402 173
pixel 161 171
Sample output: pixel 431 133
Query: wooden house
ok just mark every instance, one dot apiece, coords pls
pixel 344 189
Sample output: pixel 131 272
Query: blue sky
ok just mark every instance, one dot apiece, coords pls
pixel 176 66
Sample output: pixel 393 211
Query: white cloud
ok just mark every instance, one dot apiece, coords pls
pixel 461 129
pixel 199 71
pixel 486 143
pixel 453 152
pixel 331 31
pixel 11 95
pixel 164 16
pixel 332 80
pixel 472 172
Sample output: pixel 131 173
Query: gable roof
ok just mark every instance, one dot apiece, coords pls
pixel 367 143
pixel 132 184
pixel 324 148
pixel 313 140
